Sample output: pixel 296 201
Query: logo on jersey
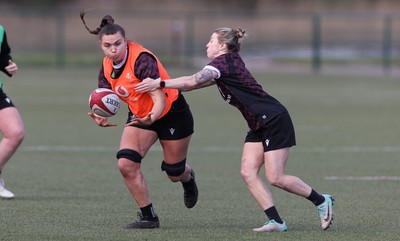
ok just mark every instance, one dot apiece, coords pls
pixel 121 91
pixel 129 77
pixel 228 98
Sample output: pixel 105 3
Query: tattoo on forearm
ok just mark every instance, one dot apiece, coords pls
pixel 203 76
pixel 202 79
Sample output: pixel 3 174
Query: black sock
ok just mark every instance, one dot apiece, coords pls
pixel 316 198
pixel 189 183
pixel 272 213
pixel 148 211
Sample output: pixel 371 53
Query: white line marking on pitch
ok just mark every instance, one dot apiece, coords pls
pixel 218 149
pixel 363 178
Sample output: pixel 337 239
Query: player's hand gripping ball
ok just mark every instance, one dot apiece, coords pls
pixel 104 102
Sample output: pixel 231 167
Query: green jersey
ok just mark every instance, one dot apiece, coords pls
pixel 1 42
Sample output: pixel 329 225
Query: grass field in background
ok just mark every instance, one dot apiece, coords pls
pixel 68 187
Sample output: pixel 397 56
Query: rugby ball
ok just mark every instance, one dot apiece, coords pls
pixel 104 102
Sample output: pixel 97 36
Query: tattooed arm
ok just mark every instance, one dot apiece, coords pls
pixel 201 79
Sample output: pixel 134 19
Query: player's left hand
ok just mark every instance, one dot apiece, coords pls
pixel 12 67
pixel 145 121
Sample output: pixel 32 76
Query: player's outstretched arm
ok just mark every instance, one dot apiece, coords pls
pixel 199 80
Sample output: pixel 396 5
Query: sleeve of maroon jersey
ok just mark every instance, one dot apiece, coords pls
pixel 102 81
pixel 220 64
pixel 146 67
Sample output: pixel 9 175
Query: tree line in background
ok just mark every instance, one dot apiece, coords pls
pixel 38 3
pixel 247 5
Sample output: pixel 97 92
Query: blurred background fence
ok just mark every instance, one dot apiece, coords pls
pixel 306 41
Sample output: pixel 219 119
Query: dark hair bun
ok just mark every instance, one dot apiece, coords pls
pixel 106 20
pixel 240 33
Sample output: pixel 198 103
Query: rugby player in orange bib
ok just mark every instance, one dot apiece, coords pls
pixel 160 115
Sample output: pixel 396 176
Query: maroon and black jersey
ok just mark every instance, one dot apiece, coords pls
pixel 238 87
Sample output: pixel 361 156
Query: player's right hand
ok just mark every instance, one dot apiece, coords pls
pixel 12 67
pixel 147 85
pixel 100 121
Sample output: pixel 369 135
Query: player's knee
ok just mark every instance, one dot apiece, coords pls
pixel 275 180
pixel 126 158
pixel 15 136
pixel 248 174
pixel 129 154
pixel 245 175
pixel 19 135
pixel 174 170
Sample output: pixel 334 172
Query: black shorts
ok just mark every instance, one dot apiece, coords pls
pixel 175 125
pixel 275 134
pixel 5 101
